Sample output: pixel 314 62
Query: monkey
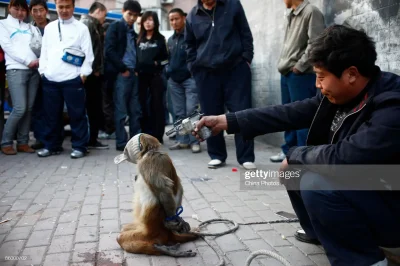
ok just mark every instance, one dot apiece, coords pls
pixel 157 195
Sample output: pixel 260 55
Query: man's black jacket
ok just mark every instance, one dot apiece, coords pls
pixel 96 34
pixel 220 43
pixel 177 68
pixel 370 134
pixel 115 46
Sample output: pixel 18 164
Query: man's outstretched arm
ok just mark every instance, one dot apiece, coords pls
pixel 259 121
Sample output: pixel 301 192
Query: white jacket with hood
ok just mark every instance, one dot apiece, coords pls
pixel 15 37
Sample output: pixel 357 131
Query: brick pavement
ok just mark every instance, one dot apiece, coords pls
pixel 69 212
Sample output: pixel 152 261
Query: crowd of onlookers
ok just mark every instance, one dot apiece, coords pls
pixel 100 77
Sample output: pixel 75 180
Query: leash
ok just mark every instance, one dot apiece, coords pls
pixel 235 227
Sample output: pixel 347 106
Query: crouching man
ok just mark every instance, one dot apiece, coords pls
pixel 353 121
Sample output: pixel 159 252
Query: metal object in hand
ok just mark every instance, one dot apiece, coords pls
pixel 187 125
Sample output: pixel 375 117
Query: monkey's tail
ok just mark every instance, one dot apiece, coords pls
pixel 235 227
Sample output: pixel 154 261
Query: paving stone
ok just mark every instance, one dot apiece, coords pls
pixel 320 259
pixel 84 252
pixel 109 214
pixel 19 233
pixel 61 244
pixel 273 238
pixel 35 256
pixel 110 257
pixel 108 242
pixel 294 256
pixel 137 259
pixel 59 259
pixel 66 228
pixel 21 205
pixel 11 248
pixel 229 243
pixel 86 234
pixel 88 220
pixel 39 238
pixel 109 226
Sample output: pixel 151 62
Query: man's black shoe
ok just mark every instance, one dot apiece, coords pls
pixel 98 146
pixel 120 148
pixel 301 236
pixel 37 145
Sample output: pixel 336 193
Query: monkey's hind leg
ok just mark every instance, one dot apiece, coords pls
pixel 182 238
pixel 173 251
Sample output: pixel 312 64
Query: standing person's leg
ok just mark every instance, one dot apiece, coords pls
pixel 134 107
pixel 237 95
pixel 121 92
pixel 75 98
pixel 289 135
pixel 301 86
pixel 157 108
pixel 178 100
pixel 192 104
pixel 38 122
pixel 211 99
pixel 18 82
pixel 94 112
pixel 108 103
pixel 351 224
pixel 25 123
pixel 144 84
pixel 53 106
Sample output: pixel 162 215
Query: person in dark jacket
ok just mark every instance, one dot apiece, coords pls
pixel 181 85
pixel 2 89
pixel 120 65
pixel 352 211
pixel 152 57
pixel 94 20
pixel 219 54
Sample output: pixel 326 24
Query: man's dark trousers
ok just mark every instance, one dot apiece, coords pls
pixel 230 88
pixel 350 224
pixel 93 105
pixel 73 93
pixel 108 102
pixel 296 87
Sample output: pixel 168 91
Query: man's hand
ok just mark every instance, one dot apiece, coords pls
pixel 126 74
pixel 284 166
pixel 296 71
pixel 34 63
pixel 96 73
pixel 215 123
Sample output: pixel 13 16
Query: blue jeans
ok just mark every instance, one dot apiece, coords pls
pixel 296 87
pixel 126 101
pixel 71 92
pixel 350 224
pixel 185 100
pixel 23 85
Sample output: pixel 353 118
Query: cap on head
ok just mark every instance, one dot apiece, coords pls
pixel 131 151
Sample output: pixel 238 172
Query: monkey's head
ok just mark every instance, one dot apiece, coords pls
pixel 137 147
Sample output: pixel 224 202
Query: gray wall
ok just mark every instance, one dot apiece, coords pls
pixel 380 19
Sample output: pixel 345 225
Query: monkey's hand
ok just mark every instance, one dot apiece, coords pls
pixel 177 225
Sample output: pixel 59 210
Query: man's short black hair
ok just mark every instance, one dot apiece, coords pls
pixel 179 11
pixel 340 47
pixel 132 6
pixel 95 6
pixel 33 3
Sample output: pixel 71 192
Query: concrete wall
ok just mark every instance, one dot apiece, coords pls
pixel 380 19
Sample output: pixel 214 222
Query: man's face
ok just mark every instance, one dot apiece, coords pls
pixel 65 9
pixel 129 16
pixel 177 21
pixel 100 15
pixel 288 3
pixel 39 14
pixel 337 90
pixel 208 2
pixel 18 12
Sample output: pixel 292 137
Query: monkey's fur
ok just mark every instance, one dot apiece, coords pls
pixel 158 193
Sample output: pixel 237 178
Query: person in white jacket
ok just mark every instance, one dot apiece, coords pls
pixel 22 76
pixel 65 62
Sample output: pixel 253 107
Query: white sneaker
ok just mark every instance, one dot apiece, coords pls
pixel 196 148
pixel 249 166
pixel 278 158
pixel 213 164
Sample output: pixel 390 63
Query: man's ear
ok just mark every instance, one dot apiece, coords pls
pixel 352 74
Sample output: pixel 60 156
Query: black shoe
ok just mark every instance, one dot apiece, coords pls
pixel 120 148
pixel 301 236
pixel 98 146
